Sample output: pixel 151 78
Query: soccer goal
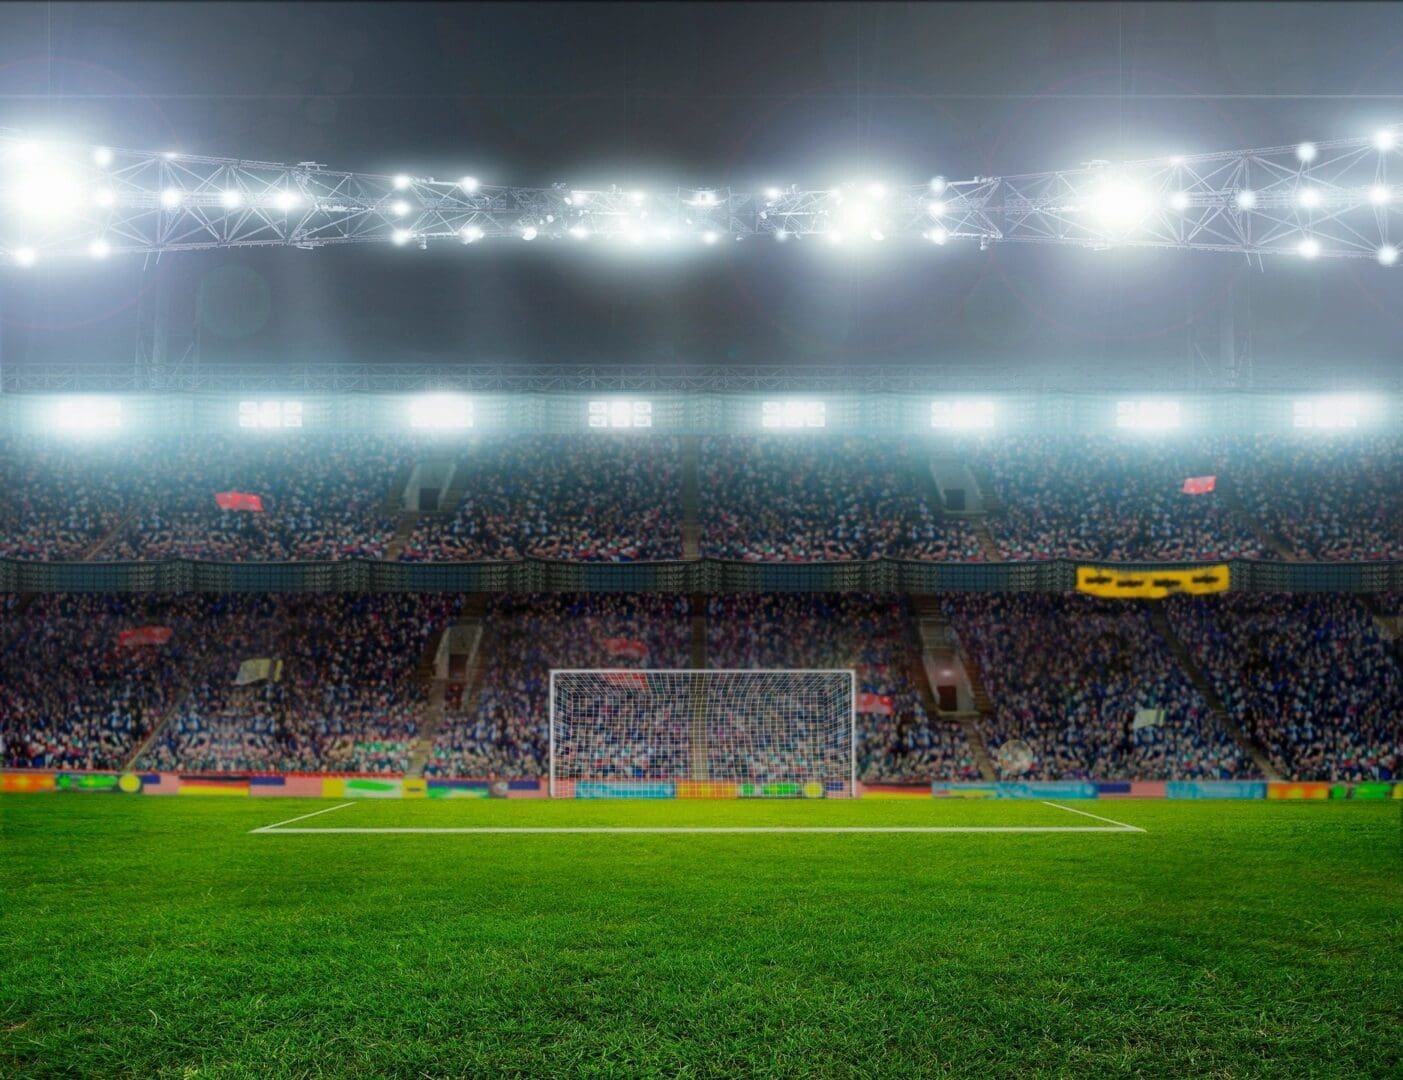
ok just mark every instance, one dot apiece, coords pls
pixel 631 733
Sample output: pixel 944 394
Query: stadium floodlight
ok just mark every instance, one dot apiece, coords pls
pixel 105 198
pixel 1246 199
pixel 1333 412
pixel 937 185
pixel 231 199
pixel 469 184
pixel 441 412
pixel 270 415
pixel 402 181
pixel 171 198
pixel 579 232
pixel 704 198
pixel 102 157
pixel 1385 139
pixel 87 415
pixel 1310 198
pixel 962 415
pixel 936 208
pixel 1120 205
pixel 1308 248
pixel 637 197
pixel 399 208
pixel 99 249
pixel 876 191
pixel 648 733
pixel 620 413
pixel 1379 195
pixel 772 194
pixel 1150 414
pixel 1179 200
pixel 25 256
pixel 937 236
pixel 48 195
pixel 781 235
pixel 710 237
pixel 401 237
pixel 285 200
pixel 792 414
pixel 529 233
pixel 470 234
pixel 1306 152
pixel 1388 255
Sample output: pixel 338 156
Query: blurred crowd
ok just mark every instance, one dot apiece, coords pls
pixel 1068 675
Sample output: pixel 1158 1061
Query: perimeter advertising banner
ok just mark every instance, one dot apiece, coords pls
pixel 1120 584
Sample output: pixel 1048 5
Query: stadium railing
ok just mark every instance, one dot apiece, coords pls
pixel 693 576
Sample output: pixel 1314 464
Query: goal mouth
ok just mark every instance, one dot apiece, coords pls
pixel 683 733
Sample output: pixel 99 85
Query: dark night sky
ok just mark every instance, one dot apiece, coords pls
pixel 741 95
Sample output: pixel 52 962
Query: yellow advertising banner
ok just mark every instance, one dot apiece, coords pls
pixel 1120 584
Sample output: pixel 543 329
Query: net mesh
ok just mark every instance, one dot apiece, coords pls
pixel 772 729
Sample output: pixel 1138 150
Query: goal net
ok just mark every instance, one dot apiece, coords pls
pixel 722 734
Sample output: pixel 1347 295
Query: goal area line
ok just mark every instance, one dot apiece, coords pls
pixel 281 828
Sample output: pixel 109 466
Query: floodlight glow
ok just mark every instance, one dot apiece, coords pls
pixel 833 236
pixel 170 155
pixel 399 208
pixel 1385 139
pixel 87 415
pixel 1120 205
pixel 1179 200
pixel 102 157
pixel 170 198
pixel 441 412
pixel 401 236
pixel 529 233
pixel 937 236
pixel 1246 200
pixel 104 197
pixel 793 414
pixel 1308 248
pixel 231 200
pixel 876 191
pixel 1306 151
pixel 936 208
pixel 470 234
pixel 28 152
pixel 1333 412
pixel 637 197
pixel 579 232
pixel 1388 255
pixel 402 181
pixel 469 184
pixel 709 237
pixel 1177 160
pixel 877 236
pixel 47 195
pixel 1309 197
pixel 620 413
pixel 704 198
pixel 856 215
pixel 1148 415
pixel 772 193
pixel 270 415
pixel 962 415
pixel 285 200
pixel 99 249
pixel 1380 195
pixel 578 198
pixel 937 185
pixel 25 256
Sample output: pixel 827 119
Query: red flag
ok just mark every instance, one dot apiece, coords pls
pixel 635 680
pixel 630 647
pixel 238 500
pixel 874 703
pixel 1200 485
pixel 144 635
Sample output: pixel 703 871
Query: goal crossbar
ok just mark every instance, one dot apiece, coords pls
pixel 709 731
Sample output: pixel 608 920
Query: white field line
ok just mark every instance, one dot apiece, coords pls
pixel 1098 817
pixel 300 817
pixel 272 830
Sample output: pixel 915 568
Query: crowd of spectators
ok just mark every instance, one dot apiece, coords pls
pixel 58 500
pixel 348 699
pixel 1310 678
pixel 872 635
pixel 587 498
pixel 506 735
pixel 1067 675
pixel 802 499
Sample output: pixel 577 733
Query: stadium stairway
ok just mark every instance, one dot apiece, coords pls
pixel 436 669
pixel 1190 667
pixel 394 495
pixel 404 529
pixel 111 535
pixel 940 646
pixel 987 545
pixel 691 499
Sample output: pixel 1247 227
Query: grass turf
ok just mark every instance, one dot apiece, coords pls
pixel 159 937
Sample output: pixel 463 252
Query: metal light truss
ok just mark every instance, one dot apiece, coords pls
pixel 1335 199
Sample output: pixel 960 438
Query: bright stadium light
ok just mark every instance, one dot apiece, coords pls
pixel 105 198
pixel 579 232
pixel 958 415
pixel 1306 151
pixel 45 195
pixel 1308 248
pixel 1379 195
pixel 270 415
pixel 1179 200
pixel 710 237
pixel 1388 255
pixel 772 194
pixel 1151 414
pixel 620 413
pixel 529 233
pixel 99 249
pixel 470 234
pixel 937 185
pixel 1119 204
pixel 441 412
pixel 937 236
pixel 791 414
pixel 171 198
pixel 1385 139
pixel 87 415
pixel 637 197
pixel 876 191
pixel 935 208
pixel 25 256
pixel 1309 198
pixel 1246 199
pixel 1333 412
pixel 469 184
pixel 285 200
pixel 102 157
pixel 399 208
pixel 402 181
pixel 401 237
pixel 231 199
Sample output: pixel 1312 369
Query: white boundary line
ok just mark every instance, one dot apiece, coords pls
pixel 1098 817
pixel 301 817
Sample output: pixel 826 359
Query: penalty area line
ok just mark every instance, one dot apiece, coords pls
pixel 300 817
pixel 1115 827
pixel 1098 817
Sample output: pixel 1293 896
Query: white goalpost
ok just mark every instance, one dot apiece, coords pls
pixel 630 733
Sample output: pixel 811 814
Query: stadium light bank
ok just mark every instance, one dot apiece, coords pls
pixel 1310 200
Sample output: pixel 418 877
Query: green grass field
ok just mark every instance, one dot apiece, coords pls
pixel 161 938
